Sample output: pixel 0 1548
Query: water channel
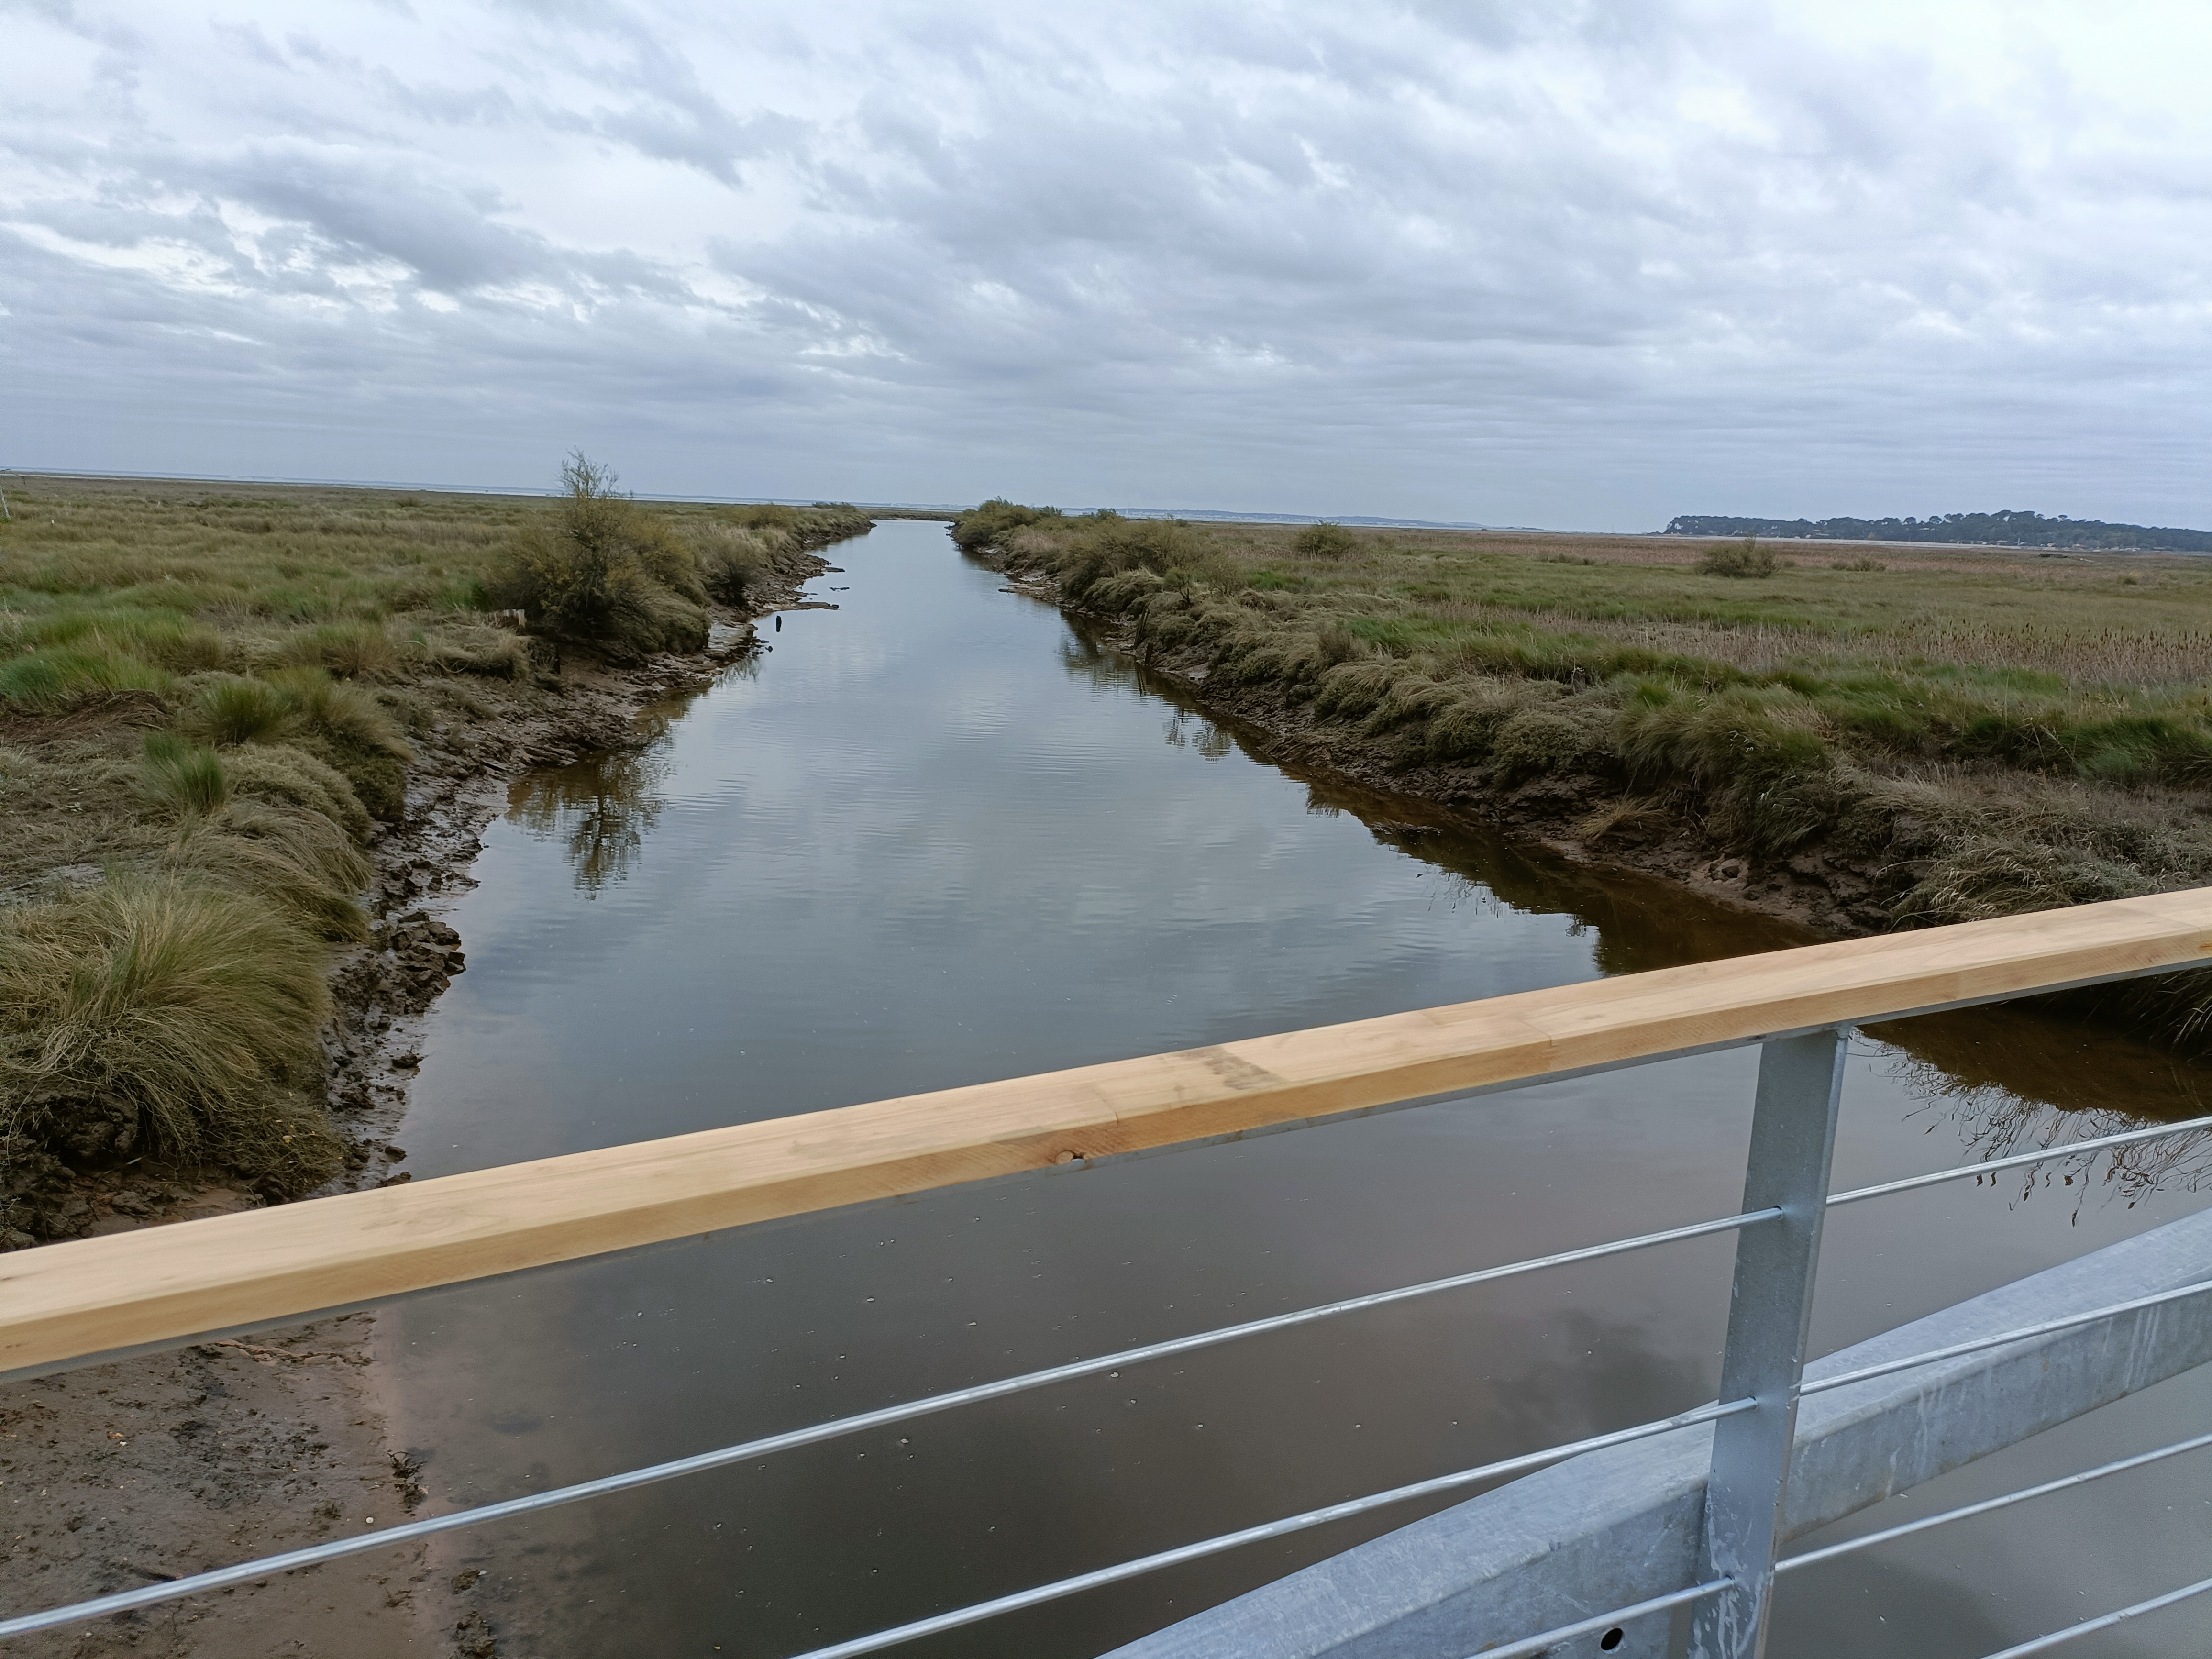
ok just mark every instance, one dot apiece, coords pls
pixel 937 836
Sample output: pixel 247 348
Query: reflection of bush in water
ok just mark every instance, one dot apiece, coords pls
pixel 1994 1123
pixel 1085 659
pixel 600 809
pixel 1186 730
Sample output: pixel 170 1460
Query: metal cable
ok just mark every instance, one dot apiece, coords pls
pixel 2044 1157
pixel 1852 1545
pixel 792 1440
pixel 979 1611
pixel 2045 1644
pixel 2049 1327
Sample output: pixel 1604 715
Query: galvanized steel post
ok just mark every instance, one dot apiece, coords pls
pixel 1793 1141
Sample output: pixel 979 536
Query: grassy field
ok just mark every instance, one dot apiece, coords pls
pixel 211 699
pixel 1937 734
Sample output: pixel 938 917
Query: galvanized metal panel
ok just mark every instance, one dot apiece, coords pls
pixel 1793 1142
pixel 1613 1527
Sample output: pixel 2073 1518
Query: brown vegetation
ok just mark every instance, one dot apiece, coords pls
pixel 1921 739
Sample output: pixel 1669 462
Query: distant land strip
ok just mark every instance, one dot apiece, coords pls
pixel 1988 529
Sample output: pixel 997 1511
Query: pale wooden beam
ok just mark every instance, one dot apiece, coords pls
pixel 132 1289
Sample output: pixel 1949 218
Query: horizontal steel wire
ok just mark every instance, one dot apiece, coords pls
pixel 2045 1644
pixel 792 1440
pixel 1939 1176
pixel 1851 1546
pixel 1544 1641
pixel 2048 1328
pixel 976 1613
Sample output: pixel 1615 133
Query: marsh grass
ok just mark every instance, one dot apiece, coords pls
pixel 187 780
pixel 206 693
pixel 235 708
pixel 1985 734
pixel 186 1011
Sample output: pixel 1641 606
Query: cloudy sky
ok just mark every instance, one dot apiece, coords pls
pixel 1581 266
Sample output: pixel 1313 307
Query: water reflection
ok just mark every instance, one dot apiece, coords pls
pixel 601 809
pixel 920 849
pixel 1994 1121
pixel 2007 1080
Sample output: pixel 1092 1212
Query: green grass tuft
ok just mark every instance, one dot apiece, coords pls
pixel 184 780
pixel 184 1013
pixel 237 709
pixel 66 677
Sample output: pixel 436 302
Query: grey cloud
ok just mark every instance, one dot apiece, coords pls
pixel 1451 261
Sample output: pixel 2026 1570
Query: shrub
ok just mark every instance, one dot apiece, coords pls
pixel 598 569
pixel 983 525
pixel 185 779
pixel 1325 540
pixel 334 707
pixel 667 558
pixel 1336 643
pixel 237 709
pixel 732 561
pixel 465 648
pixel 1743 558
pixel 182 1014
pixel 343 725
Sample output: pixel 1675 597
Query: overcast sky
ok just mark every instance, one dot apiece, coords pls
pixel 1586 266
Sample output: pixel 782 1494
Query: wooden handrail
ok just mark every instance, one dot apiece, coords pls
pixel 134 1289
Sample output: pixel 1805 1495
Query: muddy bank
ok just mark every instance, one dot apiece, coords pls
pixel 1582 816
pixel 117 1475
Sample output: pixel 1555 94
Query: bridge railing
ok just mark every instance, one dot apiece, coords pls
pixel 75 1304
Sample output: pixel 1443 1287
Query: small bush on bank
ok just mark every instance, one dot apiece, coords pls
pixel 472 649
pixel 733 562
pixel 299 860
pixel 598 569
pixel 339 709
pixel 996 519
pixel 1325 540
pixel 237 709
pixel 1740 559
pixel 1570 735
pixel 1336 643
pixel 338 722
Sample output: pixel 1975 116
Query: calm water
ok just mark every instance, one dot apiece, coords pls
pixel 936 837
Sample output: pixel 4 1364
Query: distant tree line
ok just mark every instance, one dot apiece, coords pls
pixel 2000 529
